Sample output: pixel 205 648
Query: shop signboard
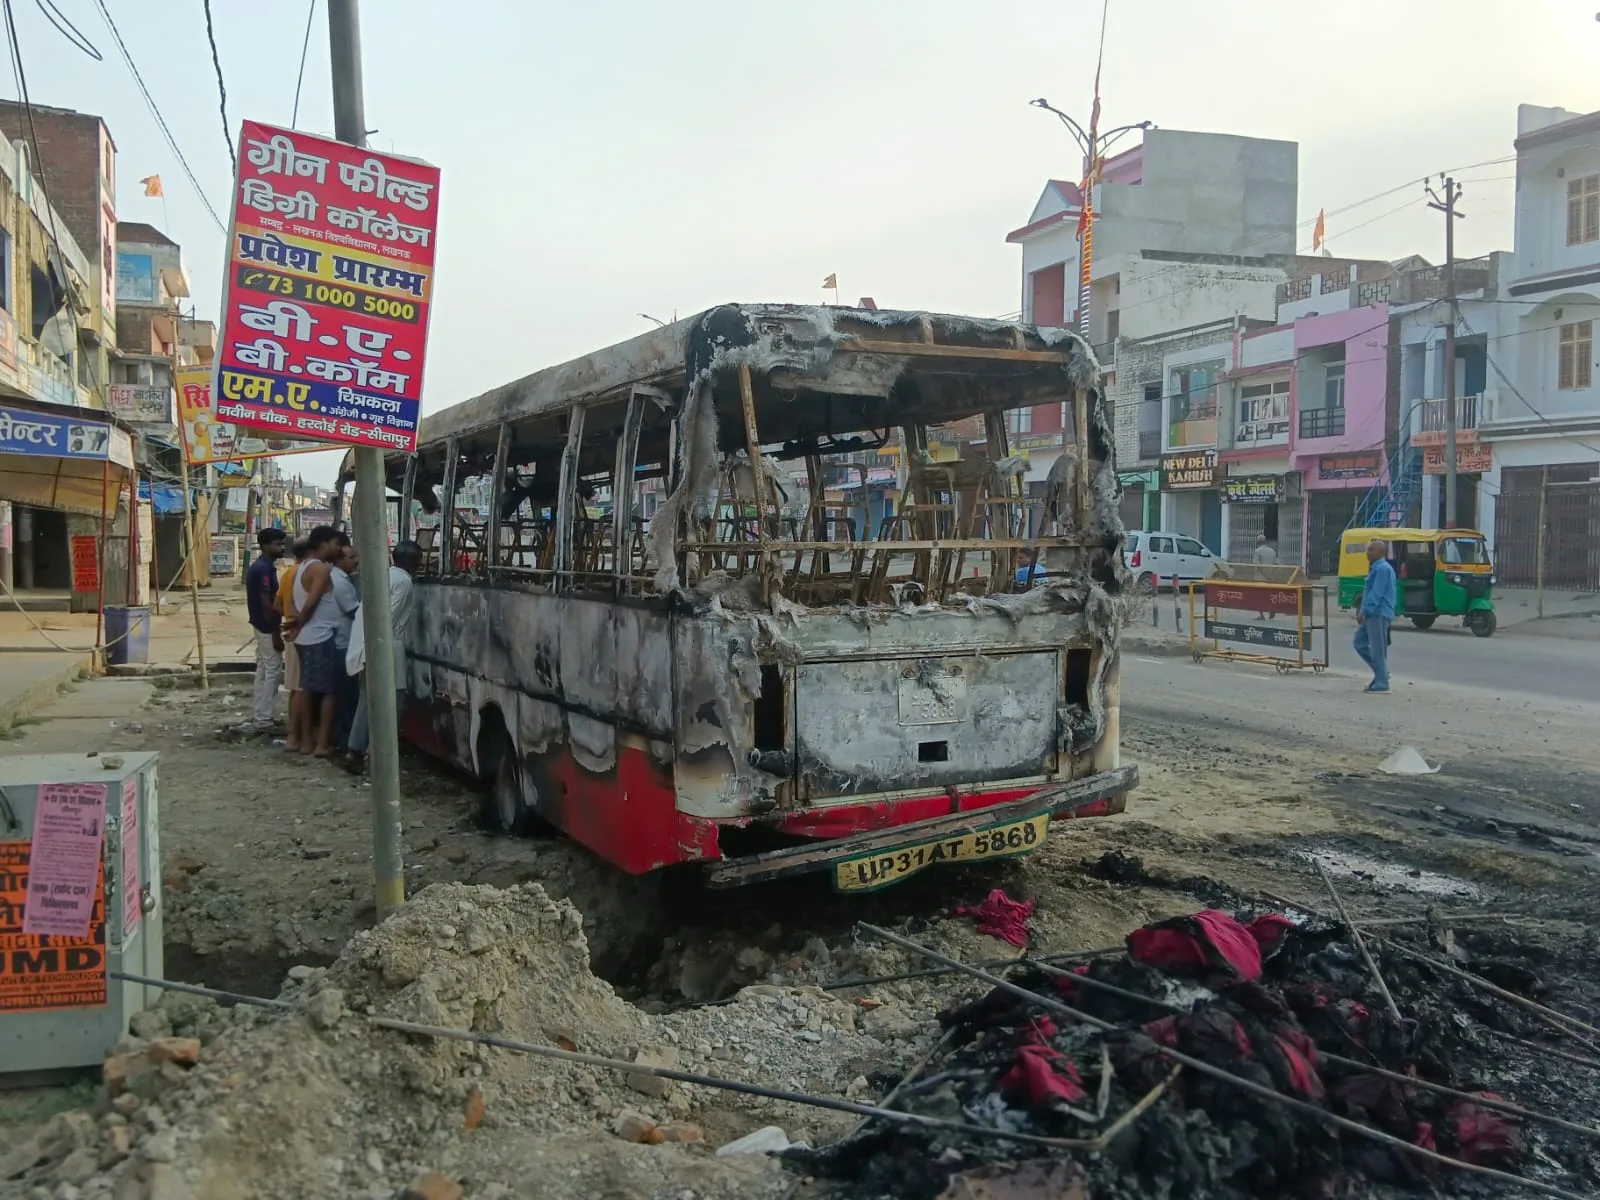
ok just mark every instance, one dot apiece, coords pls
pixel 1476 459
pixel 1189 469
pixel 1253 489
pixel 140 404
pixel 1365 465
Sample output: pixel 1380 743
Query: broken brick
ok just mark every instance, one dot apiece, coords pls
pixel 474 1111
pixel 682 1132
pixel 633 1126
pixel 181 1050
pixel 121 1070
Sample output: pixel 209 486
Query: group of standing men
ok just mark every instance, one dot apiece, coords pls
pixel 309 636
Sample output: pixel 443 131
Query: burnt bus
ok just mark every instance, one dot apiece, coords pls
pixel 749 590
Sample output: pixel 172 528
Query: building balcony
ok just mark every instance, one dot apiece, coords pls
pixel 1435 412
pixel 1195 431
pixel 1321 423
pixel 1149 444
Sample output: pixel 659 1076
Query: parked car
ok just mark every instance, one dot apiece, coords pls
pixel 1153 557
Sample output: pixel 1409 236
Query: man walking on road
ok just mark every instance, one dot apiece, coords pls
pixel 1373 614
pixel 261 598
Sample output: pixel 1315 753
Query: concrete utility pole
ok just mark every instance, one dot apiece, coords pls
pixel 1445 202
pixel 371 534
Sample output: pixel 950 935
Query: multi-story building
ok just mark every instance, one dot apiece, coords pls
pixel 1541 410
pixel 74 160
pixel 60 468
pixel 1187 228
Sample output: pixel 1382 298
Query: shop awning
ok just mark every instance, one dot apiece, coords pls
pixel 53 457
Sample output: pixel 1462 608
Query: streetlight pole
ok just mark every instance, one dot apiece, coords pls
pixel 372 540
pixel 1094 145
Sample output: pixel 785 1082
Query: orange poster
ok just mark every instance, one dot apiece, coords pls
pixel 46 971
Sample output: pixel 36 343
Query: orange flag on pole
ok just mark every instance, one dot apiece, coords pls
pixel 1319 231
pixel 152 185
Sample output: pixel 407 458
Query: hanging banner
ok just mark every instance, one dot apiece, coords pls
pixel 329 278
pixel 27 431
pixel 208 440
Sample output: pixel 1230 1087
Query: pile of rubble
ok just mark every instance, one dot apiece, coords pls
pixel 311 1097
pixel 1225 1057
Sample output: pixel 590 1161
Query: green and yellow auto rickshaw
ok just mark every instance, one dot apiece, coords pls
pixel 1438 573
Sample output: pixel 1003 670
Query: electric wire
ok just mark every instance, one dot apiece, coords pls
pixel 68 30
pixel 155 112
pixel 300 77
pixel 222 89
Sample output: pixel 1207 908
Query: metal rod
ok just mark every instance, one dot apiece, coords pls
pixel 730 1085
pixel 189 507
pixel 1214 1072
pixel 1505 1106
pixel 1064 956
pixel 194 989
pixel 371 534
pixel 1361 943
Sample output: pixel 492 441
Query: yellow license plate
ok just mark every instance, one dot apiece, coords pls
pixel 868 872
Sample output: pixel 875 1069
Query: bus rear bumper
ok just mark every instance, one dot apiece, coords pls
pixel 1097 795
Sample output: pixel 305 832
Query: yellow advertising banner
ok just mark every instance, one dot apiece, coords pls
pixel 208 440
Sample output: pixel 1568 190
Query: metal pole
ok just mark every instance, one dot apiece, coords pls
pixel 1450 355
pixel 350 125
pixel 1538 569
pixel 189 507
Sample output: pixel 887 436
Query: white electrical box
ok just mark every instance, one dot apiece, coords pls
pixel 80 901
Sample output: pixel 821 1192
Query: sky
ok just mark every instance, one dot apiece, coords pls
pixel 624 157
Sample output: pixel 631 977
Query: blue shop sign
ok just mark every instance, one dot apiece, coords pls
pixel 23 431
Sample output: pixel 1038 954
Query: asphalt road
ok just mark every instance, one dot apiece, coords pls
pixel 1513 661
pixel 1554 660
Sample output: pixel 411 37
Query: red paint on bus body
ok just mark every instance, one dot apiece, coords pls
pixel 629 816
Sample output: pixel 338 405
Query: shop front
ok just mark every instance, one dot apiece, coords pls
pixel 1333 489
pixel 1190 501
pixel 64 480
pixel 1261 504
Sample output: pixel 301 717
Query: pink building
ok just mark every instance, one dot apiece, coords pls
pixel 1342 420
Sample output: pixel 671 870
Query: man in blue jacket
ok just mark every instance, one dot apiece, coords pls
pixel 1374 613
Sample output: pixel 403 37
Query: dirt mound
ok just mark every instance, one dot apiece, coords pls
pixel 314 1100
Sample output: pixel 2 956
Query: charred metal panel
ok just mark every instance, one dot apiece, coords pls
pixel 560 669
pixel 879 724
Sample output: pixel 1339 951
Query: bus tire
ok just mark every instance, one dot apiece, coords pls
pixel 505 808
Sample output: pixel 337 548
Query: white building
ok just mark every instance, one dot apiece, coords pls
pixel 1187 228
pixel 1542 393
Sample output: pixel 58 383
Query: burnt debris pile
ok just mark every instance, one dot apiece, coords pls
pixel 1243 1057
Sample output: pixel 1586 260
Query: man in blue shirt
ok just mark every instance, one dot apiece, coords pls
pixel 261 597
pixel 1374 613
pixel 1030 571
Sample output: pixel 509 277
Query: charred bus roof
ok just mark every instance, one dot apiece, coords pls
pixel 823 380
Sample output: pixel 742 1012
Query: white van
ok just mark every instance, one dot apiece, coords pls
pixel 1154 557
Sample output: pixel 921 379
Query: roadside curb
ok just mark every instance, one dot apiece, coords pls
pixel 19 705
